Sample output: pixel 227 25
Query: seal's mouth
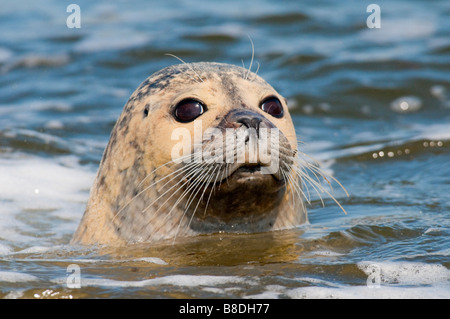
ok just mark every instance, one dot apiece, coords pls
pixel 247 173
pixel 248 169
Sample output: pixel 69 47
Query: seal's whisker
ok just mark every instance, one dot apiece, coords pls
pixel 225 172
pixel 197 182
pixel 211 192
pixel 198 185
pixel 256 72
pixel 315 167
pixel 188 65
pixel 315 184
pixel 189 172
pixel 283 173
pixel 306 178
pixel 299 190
pixel 185 192
pixel 179 159
pixel 192 172
pixel 183 170
pixel 251 61
pixel 296 187
pixel 192 187
pixel 325 175
pixel 302 170
pixel 197 171
pixel 176 172
pixel 206 184
pixel 202 181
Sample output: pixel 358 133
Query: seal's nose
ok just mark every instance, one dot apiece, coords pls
pixel 247 119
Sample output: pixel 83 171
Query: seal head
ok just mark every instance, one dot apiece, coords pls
pixel 199 148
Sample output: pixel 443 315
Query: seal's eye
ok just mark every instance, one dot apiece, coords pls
pixel 273 106
pixel 188 110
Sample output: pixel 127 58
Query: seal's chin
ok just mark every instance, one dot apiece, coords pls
pixel 245 199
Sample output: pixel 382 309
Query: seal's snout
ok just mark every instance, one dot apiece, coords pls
pixel 247 119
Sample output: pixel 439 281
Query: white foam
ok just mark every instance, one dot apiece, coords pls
pixel 174 280
pixel 41 189
pixel 12 276
pixel 35 250
pixel 15 294
pixel 398 280
pixel 37 183
pixel 364 292
pixel 4 249
pixel 221 290
pixel 153 260
pixel 265 295
pixel 407 273
pixel 326 253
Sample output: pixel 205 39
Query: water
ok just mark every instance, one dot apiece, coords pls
pixel 373 105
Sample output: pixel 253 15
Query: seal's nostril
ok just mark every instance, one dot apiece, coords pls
pixel 250 122
pixel 255 123
pixel 245 121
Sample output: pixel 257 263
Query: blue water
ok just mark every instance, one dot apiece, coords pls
pixel 373 105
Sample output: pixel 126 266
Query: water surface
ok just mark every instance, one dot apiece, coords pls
pixel 373 105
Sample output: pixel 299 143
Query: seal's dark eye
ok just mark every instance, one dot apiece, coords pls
pixel 273 106
pixel 188 110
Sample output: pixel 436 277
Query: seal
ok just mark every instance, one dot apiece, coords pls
pixel 158 180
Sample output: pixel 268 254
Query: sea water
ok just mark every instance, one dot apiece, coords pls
pixel 372 105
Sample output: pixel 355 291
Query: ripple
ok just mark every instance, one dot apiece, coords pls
pixel 281 18
pixel 107 41
pixel 36 61
pixel 5 54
